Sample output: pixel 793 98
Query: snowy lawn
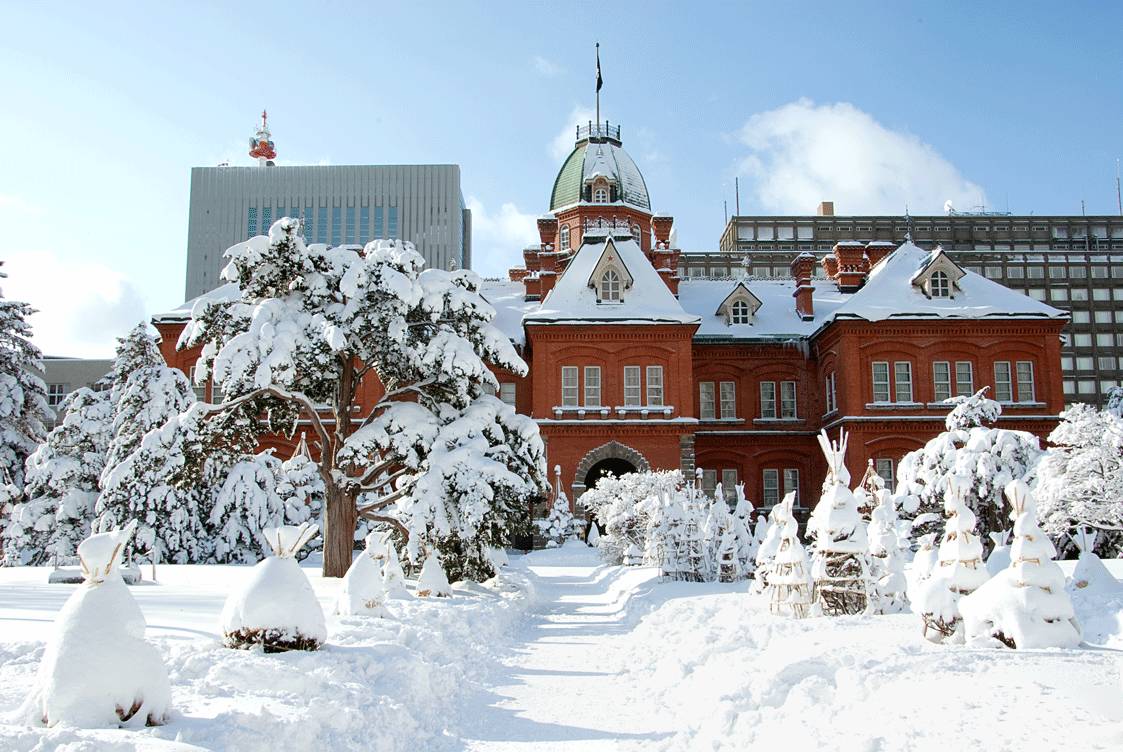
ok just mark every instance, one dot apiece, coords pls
pixel 608 659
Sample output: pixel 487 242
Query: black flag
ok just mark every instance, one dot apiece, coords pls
pixel 600 81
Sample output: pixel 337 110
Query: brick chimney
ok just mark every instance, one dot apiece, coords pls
pixel 879 249
pixel 826 209
pixel 852 265
pixel 830 265
pixel 548 231
pixel 803 267
pixel 661 228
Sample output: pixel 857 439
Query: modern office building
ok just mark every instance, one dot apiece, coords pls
pixel 338 204
pixel 64 375
pixel 1071 262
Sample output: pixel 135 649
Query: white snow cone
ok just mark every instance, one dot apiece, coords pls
pixel 98 670
pixel 433 582
pixel 364 594
pixel 393 578
pixel 1025 605
pixel 275 607
pixel 789 578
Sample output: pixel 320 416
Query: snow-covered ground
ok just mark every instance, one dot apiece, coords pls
pixel 568 654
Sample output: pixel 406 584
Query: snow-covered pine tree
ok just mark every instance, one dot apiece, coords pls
pixel 745 541
pixel 300 487
pixel 840 567
pixel 988 457
pixel 654 541
pixel 959 569
pixel 245 506
pixel 1080 478
pixel 621 504
pixel 62 484
pixel 696 557
pixel 23 395
pixel 888 555
pixel 673 542
pixel 559 521
pixel 866 492
pixel 311 323
pixel 789 588
pixel 1025 605
pixel 770 543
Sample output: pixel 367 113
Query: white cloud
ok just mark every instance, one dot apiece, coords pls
pixel 802 153
pixel 82 306
pixel 562 144
pixel 546 67
pixel 498 239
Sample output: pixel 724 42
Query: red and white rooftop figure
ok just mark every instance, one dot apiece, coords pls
pixel 261 143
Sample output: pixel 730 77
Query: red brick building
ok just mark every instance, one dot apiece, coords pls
pixel 632 368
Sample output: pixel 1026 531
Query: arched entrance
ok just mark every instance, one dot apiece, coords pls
pixel 614 458
pixel 611 466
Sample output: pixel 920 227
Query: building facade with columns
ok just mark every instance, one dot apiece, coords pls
pixel 633 368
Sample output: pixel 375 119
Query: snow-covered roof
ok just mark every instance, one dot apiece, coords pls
pixel 590 159
pixel 889 292
pixel 509 301
pixel 775 319
pixel 647 301
pixel 182 312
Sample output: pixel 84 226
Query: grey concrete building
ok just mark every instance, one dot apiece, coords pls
pixel 1071 262
pixel 64 375
pixel 338 204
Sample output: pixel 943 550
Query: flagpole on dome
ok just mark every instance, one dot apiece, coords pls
pixel 600 82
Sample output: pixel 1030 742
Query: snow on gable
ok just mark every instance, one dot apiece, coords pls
pixel 610 262
pixel 573 298
pixel 928 277
pixel 891 291
pixel 740 296
pixel 774 319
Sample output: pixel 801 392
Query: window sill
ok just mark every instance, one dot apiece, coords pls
pixel 719 421
pixel 645 410
pixel 774 421
pixel 1022 404
pixel 581 412
pixel 830 413
pixel 893 405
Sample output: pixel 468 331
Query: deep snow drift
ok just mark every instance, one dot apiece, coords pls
pixel 565 653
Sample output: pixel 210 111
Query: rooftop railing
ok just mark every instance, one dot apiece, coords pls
pixel 598 131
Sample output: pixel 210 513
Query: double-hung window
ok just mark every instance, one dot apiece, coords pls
pixel 941 380
pixel 791 482
pixel 1026 392
pixel 569 386
pixel 1003 383
pixel 787 399
pixel 881 381
pixel 832 396
pixel 771 479
pixel 768 399
pixel 884 468
pixel 902 380
pixel 706 400
pixel 655 386
pixel 728 394
pixel 964 379
pixel 632 387
pixel 592 386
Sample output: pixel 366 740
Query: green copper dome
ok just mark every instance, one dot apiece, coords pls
pixel 598 153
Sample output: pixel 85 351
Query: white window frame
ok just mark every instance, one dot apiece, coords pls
pixel 56 394
pixel 633 387
pixel 508 393
pixel 707 401
pixel 1003 381
pixel 740 313
pixel 883 466
pixel 970 381
pixel 563 235
pixel 902 381
pixel 729 483
pixel 791 482
pixel 881 384
pixel 770 485
pixel 1027 391
pixel 592 386
pixel 789 409
pixel 832 394
pixel 570 388
pixel 600 195
pixel 941 384
pixel 939 284
pixel 709 481
pixel 654 386
pixel 727 399
pixel 768 400
pixel 199 389
pixel 610 287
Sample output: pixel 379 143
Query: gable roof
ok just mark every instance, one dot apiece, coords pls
pixel 572 300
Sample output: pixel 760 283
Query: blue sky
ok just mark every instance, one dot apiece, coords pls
pixel 873 105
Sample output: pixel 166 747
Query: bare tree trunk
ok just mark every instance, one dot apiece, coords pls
pixel 340 517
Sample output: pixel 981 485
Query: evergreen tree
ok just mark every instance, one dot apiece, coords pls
pixel 23 395
pixel 560 520
pixel 673 541
pixel 742 531
pixel 959 570
pixel 301 488
pixel 789 581
pixel 246 504
pixel 310 324
pixel 841 565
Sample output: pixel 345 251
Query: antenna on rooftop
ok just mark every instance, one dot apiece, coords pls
pixel 908 225
pixel 725 208
pixel 737 196
pixel 1118 195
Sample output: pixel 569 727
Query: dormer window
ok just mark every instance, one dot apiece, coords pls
pixel 940 285
pixel 739 313
pixel 610 287
pixel 563 240
pixel 739 306
pixel 600 195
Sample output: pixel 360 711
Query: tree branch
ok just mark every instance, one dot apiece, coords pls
pixel 281 394
pixel 388 520
pixel 384 502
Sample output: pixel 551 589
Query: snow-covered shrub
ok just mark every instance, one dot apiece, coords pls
pixel 988 458
pixel 364 593
pixel 97 669
pixel 746 541
pixel 393 578
pixel 959 569
pixel 432 582
pixel 888 555
pixel 560 520
pixel 671 537
pixel 62 484
pixel 1025 605
pixel 300 487
pixel 840 566
pixel 620 504
pixel 999 557
pixel 771 530
pixel 23 395
pixel 1080 478
pixel 245 506
pixel 789 589
pixel 275 606
pixel 310 323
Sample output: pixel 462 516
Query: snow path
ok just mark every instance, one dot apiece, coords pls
pixel 549 693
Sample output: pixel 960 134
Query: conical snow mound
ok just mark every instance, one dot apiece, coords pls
pixel 364 593
pixel 98 670
pixel 276 607
pixel 433 582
